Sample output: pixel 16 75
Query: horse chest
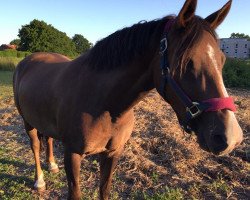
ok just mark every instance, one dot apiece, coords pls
pixel 102 134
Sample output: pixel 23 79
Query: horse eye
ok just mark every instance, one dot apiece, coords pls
pixel 190 65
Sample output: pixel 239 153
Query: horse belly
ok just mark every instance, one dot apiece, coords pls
pixel 37 109
pixel 40 120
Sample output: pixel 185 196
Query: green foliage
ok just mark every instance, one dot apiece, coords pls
pixel 236 73
pixel 15 42
pixel 38 36
pixel 14 53
pixel 239 35
pixel 81 43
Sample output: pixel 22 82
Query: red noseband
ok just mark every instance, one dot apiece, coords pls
pixel 216 104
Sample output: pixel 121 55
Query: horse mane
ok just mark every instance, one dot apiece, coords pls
pixel 125 45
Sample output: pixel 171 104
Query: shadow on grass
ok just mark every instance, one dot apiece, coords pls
pixel 9 179
pixel 14 163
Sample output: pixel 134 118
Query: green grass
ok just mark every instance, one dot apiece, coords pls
pixel 6 90
pixel 9 63
pixel 16 186
pixel 166 194
pixel 12 185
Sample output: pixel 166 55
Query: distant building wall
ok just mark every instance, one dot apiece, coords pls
pixel 7 46
pixel 235 47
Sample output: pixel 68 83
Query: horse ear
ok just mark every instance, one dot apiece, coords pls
pixel 187 12
pixel 217 18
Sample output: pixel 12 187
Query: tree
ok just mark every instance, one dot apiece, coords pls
pixel 239 35
pixel 39 36
pixel 81 43
pixel 15 42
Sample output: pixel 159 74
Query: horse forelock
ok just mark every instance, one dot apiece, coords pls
pixel 188 38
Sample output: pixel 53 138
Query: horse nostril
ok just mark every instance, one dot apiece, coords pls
pixel 219 143
pixel 219 139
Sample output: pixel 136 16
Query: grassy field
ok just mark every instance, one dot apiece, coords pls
pixel 6 84
pixel 9 63
pixel 160 162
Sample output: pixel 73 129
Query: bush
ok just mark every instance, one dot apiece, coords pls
pixel 14 53
pixel 236 73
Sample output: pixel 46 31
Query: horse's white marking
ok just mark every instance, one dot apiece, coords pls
pixel 211 55
pixel 234 133
pixel 40 183
pixel 234 129
pixel 53 166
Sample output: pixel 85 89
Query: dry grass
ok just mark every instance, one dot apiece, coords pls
pixel 159 162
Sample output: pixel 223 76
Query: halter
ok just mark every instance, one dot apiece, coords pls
pixel 193 108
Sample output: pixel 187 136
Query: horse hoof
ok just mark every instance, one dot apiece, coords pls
pixel 40 189
pixel 40 185
pixel 54 171
pixel 53 167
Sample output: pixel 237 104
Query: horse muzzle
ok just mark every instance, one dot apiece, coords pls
pixel 219 132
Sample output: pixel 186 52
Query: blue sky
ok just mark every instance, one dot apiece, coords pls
pixel 96 19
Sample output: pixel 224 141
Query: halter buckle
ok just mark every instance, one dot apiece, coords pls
pixel 194 110
pixel 163 45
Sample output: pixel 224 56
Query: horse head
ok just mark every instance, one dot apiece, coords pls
pixel 190 79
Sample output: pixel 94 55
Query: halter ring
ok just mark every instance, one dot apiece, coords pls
pixel 194 110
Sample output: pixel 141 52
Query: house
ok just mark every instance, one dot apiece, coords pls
pixel 7 46
pixel 235 47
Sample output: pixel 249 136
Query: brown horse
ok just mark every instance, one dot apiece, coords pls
pixel 87 103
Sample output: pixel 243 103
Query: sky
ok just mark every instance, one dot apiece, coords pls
pixel 96 19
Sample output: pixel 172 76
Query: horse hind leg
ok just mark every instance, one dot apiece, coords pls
pixel 53 167
pixel 35 146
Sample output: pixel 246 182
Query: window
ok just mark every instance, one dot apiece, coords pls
pixel 236 45
pixel 236 51
pixel 245 45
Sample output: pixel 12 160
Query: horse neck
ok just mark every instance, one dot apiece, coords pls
pixel 128 81
pixel 131 86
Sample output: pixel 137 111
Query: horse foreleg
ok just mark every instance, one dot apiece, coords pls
pixel 53 167
pixel 107 165
pixel 72 164
pixel 35 146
